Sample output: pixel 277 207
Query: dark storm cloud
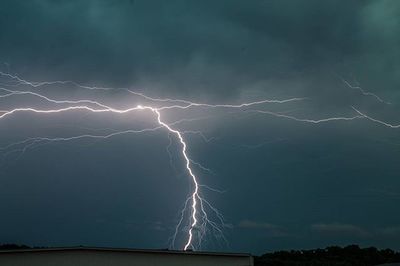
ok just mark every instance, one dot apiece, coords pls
pixel 290 174
pixel 338 230
pixel 196 47
pixel 265 228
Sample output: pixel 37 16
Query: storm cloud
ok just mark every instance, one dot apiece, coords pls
pixel 292 176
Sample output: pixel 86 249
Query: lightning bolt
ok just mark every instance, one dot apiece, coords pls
pixel 363 92
pixel 386 124
pixel 199 217
pixel 196 205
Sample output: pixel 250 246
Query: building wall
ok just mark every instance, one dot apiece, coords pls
pixel 116 258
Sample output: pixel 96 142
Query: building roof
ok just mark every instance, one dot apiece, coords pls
pixel 158 251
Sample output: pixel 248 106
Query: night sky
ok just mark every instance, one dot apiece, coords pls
pixel 285 184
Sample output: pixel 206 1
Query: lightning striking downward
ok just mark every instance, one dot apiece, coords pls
pixel 195 195
pixel 196 207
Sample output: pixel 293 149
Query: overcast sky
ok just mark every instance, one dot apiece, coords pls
pixel 287 184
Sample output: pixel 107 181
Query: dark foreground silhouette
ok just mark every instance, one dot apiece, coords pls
pixel 13 247
pixel 351 255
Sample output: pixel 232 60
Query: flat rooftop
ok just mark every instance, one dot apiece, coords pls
pixel 102 256
pixel 131 250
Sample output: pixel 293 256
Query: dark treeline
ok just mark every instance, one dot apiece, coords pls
pixel 351 255
pixel 12 247
pixel 15 247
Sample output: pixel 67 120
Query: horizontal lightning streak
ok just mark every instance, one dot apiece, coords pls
pixel 376 120
pixel 188 104
pixel 313 121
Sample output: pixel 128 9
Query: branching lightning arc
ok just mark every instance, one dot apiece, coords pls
pixel 198 208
